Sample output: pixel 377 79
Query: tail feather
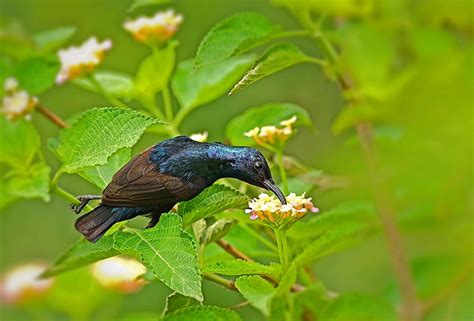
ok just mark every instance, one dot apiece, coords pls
pixel 95 223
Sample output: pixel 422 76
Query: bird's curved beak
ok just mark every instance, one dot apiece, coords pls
pixel 270 185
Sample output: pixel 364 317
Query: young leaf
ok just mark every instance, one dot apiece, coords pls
pixel 204 313
pixel 154 72
pixel 101 175
pixel 176 301
pixel 37 74
pixel 19 142
pixel 356 307
pixel 349 116
pixel 97 134
pixel 241 267
pixel 276 58
pixel 83 253
pixel 115 83
pixel 268 114
pixel 259 292
pixel 168 251
pixel 194 88
pixel 52 39
pixel 212 200
pixel 217 230
pixel 233 36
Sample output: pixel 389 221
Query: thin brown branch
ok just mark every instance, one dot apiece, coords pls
pixel 51 116
pixel 240 305
pixel 232 250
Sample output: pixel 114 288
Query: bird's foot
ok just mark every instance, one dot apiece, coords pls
pixel 84 200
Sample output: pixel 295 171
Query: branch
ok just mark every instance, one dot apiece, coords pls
pixel 51 116
pixel 217 279
pixel 233 251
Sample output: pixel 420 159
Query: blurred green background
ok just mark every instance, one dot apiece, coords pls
pixel 424 144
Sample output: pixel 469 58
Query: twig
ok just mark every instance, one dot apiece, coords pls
pixel 233 251
pixel 240 305
pixel 51 116
pixel 217 279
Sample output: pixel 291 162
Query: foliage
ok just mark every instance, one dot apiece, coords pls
pixel 402 73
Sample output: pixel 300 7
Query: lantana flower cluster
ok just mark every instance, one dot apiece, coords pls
pixel 272 135
pixel 17 102
pixel 77 61
pixel 200 137
pixel 268 208
pixel 22 283
pixel 119 273
pixel 159 28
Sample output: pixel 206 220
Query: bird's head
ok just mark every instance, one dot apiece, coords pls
pixel 252 167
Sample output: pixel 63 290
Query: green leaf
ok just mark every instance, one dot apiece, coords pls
pixel 348 117
pixel 83 253
pixel 274 59
pixel 212 200
pixel 176 301
pixel 268 114
pixel 97 134
pixel 313 299
pixel 101 175
pixel 194 88
pixel 37 74
pixel 217 230
pixel 233 36
pixel 146 3
pixel 154 72
pixel 204 313
pixel 356 307
pixel 329 242
pixel 19 142
pixel 52 39
pixel 258 291
pixel 287 280
pixel 168 251
pixel 241 267
pixel 115 83
pixel 28 183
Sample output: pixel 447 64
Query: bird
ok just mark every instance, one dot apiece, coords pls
pixel 174 170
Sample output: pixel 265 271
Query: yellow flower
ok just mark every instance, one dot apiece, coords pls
pixel 272 135
pixel 161 27
pixel 119 273
pixel 268 208
pixel 17 103
pixel 200 137
pixel 22 284
pixel 77 61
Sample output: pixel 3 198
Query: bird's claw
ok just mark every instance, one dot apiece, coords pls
pixel 83 200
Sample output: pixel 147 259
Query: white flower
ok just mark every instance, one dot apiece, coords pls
pixel 267 207
pixel 76 61
pixel 252 132
pixel 160 27
pixel 17 103
pixel 271 134
pixel 119 273
pixel 200 137
pixel 22 283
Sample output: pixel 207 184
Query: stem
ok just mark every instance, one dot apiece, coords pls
pixel 217 279
pixel 55 119
pixel 279 156
pixel 63 193
pixel 152 108
pixel 233 251
pixel 103 92
pixel 280 234
pixel 410 310
pixel 167 103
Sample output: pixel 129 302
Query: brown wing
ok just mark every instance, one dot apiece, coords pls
pixel 139 184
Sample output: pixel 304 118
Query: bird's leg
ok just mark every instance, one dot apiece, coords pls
pixel 84 199
pixel 154 220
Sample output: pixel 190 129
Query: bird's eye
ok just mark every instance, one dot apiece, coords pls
pixel 258 165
